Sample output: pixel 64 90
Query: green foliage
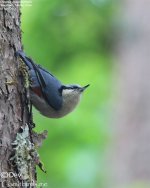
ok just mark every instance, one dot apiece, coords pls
pixel 71 38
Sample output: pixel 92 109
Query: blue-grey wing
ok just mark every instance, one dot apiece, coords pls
pixel 50 89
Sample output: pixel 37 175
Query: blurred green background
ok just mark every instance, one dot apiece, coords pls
pixel 73 39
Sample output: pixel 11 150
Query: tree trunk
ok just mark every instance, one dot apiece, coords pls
pixel 131 156
pixel 16 164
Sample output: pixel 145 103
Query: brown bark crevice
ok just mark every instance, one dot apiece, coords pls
pixel 14 112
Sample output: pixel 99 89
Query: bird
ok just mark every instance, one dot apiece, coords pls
pixel 47 94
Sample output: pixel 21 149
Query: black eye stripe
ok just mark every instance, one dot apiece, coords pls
pixel 69 87
pixel 75 87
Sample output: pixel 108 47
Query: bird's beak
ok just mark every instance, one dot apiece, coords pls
pixel 83 88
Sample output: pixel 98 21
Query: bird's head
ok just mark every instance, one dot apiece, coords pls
pixel 71 95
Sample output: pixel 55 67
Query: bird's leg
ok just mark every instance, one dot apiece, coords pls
pixel 32 124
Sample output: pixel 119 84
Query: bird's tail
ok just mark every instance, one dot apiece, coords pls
pixel 30 64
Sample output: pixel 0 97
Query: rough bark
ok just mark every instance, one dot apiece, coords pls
pixel 131 156
pixel 13 103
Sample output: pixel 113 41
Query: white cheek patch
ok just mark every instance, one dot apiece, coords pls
pixel 67 91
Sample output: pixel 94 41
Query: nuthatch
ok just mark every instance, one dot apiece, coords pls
pixel 47 94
